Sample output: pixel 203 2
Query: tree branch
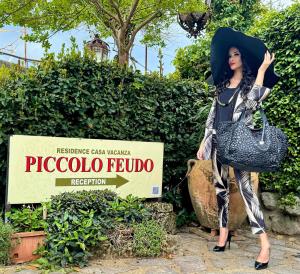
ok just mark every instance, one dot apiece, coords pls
pixel 147 7
pixel 39 19
pixel 68 24
pixel 118 12
pixel 132 11
pixel 15 11
pixel 141 25
pixel 105 20
pixel 109 26
pixel 147 20
pixel 100 8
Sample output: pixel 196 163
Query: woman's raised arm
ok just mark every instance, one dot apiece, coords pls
pixel 259 92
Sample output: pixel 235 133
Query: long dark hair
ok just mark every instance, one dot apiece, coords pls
pixel 246 82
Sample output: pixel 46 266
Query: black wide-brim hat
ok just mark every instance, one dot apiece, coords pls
pixel 252 48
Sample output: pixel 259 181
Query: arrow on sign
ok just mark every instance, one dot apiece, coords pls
pixel 118 181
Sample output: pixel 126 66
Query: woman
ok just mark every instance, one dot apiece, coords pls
pixel 238 91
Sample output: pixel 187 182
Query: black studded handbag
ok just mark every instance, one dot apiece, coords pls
pixel 254 150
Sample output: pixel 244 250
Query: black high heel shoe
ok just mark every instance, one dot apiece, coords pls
pixel 218 248
pixel 259 265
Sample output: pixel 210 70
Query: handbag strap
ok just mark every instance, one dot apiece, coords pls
pixel 262 114
pixel 265 123
pixel 264 120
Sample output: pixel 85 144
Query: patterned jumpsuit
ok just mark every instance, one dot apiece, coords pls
pixel 221 171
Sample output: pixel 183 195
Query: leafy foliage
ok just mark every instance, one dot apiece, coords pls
pixel 236 14
pixel 193 61
pixel 184 217
pixel 192 6
pixel 280 31
pixel 26 219
pixel 5 242
pixel 9 72
pixel 69 236
pixel 288 200
pixel 4 73
pixel 98 200
pixel 79 221
pixel 129 210
pixel 78 97
pixel 148 238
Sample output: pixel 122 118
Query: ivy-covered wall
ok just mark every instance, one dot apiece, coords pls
pixel 77 97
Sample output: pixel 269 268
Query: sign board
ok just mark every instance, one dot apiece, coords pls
pixel 43 166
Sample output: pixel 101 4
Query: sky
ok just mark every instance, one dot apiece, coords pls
pixel 175 38
pixel 11 42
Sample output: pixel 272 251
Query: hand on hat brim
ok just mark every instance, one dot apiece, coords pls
pixel 268 59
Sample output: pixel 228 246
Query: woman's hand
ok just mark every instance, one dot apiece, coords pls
pixel 268 59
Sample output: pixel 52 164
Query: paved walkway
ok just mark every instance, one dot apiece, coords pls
pixel 194 255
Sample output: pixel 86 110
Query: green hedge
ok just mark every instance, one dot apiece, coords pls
pixel 280 30
pixel 77 97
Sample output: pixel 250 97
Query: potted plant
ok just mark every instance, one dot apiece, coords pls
pixel 28 225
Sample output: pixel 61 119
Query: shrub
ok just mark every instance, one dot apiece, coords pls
pixel 5 242
pixel 9 72
pixel 26 219
pixel 79 221
pixel 148 239
pixel 129 210
pixel 98 200
pixel 70 236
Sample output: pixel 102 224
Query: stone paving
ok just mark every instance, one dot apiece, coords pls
pixel 194 255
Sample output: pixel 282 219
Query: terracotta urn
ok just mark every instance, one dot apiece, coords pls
pixel 24 244
pixel 203 195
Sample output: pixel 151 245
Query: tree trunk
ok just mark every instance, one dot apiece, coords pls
pixel 124 45
pixel 123 56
